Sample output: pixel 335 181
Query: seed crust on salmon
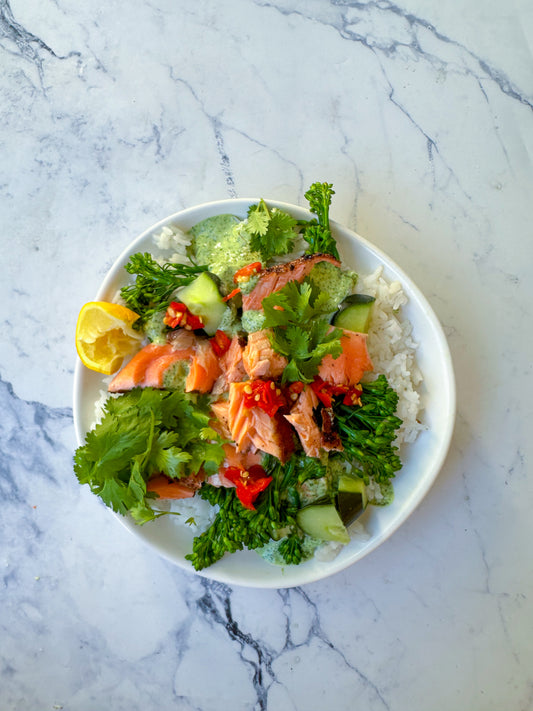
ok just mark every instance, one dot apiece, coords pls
pixel 274 278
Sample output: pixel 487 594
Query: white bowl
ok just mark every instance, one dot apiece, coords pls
pixel 422 459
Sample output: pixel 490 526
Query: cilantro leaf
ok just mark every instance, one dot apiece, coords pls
pixel 143 432
pixel 299 331
pixel 271 231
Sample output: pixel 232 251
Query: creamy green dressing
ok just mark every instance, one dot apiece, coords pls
pixel 175 376
pixel 221 243
pixel 155 330
pixel 336 283
pixel 252 321
pixel 270 551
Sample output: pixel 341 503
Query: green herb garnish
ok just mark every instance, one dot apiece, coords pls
pixel 143 432
pixel 300 332
pixel 271 230
pixel 367 432
pixel 318 233
pixel 154 284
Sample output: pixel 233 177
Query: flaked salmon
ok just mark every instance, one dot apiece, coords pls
pixel 302 417
pixel 167 488
pixel 353 362
pixel 204 368
pixel 274 278
pixel 147 367
pixel 220 423
pixel 260 360
pixel 252 429
pixel 231 366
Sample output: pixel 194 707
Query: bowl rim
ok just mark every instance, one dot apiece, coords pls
pixel 298 577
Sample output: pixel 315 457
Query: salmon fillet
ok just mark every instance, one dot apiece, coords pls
pixel 302 419
pixel 274 278
pixel 260 360
pixel 312 437
pixel 204 369
pixel 251 428
pixel 353 362
pixel 167 488
pixel 220 410
pixel 232 367
pixel 147 367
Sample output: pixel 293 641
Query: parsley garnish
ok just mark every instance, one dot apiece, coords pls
pixel 300 332
pixel 154 284
pixel 271 230
pixel 144 432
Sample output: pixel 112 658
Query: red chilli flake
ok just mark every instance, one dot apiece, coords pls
pixel 220 343
pixel 177 314
pixel 246 272
pixel 231 294
pixel 264 394
pixel 325 392
pixel 248 482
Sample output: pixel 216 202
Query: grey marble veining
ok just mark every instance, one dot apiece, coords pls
pixel 420 113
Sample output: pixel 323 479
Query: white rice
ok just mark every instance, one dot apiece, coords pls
pixel 393 350
pixel 172 239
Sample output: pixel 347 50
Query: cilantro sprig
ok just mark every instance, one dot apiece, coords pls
pixel 300 332
pixel 143 432
pixel 271 231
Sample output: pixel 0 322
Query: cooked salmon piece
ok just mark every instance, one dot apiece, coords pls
pixel 151 361
pixel 274 278
pixel 232 367
pixel 204 368
pixel 155 372
pixel 167 488
pixel 180 338
pixel 353 362
pixel 251 428
pixel 302 417
pixel 220 424
pixel 260 360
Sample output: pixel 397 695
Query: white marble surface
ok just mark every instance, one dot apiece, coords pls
pixel 114 116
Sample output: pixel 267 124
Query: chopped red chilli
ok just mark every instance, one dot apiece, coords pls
pixel 325 392
pixel 178 315
pixel 248 482
pixel 264 394
pixel 231 294
pixel 220 343
pixel 246 272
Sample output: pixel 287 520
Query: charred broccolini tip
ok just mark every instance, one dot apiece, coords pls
pixel 367 432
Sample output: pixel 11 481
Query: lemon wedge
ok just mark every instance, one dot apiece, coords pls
pixel 105 335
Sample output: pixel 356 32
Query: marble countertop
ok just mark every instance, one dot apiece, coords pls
pixel 421 115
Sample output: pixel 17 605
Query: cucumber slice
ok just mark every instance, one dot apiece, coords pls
pixel 203 299
pixel 352 498
pixel 355 316
pixel 322 522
